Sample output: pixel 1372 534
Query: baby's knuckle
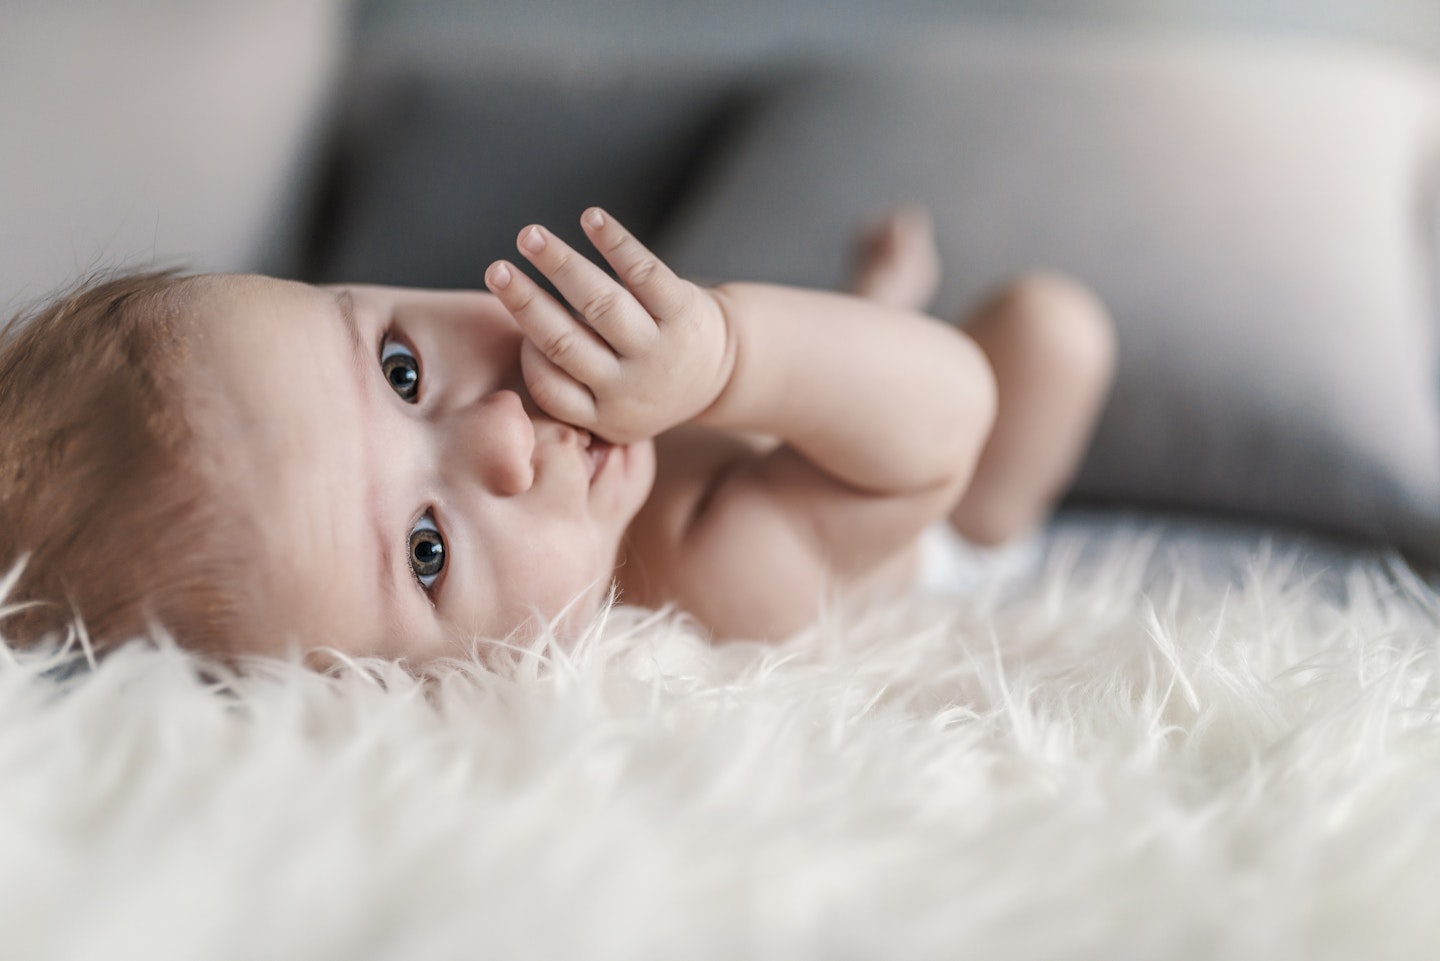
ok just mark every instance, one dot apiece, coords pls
pixel 617 241
pixel 561 262
pixel 521 300
pixel 643 272
pixel 601 304
pixel 560 346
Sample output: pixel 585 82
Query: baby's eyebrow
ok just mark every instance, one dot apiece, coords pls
pixel 346 305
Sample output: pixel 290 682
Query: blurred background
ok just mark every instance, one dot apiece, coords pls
pixel 196 131
pixel 1253 186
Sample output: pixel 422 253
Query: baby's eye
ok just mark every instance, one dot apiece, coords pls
pixel 401 369
pixel 427 552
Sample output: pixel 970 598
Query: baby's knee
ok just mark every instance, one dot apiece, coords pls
pixel 1055 321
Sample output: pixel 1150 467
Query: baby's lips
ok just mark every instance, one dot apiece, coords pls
pixel 598 452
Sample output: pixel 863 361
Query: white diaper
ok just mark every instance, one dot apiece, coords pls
pixel 949 564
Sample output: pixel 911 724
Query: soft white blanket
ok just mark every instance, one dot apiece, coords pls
pixel 1093 765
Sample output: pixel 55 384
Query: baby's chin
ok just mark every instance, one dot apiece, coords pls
pixel 579 618
pixel 574 622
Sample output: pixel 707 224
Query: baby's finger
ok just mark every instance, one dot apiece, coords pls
pixel 653 283
pixel 569 344
pixel 606 306
pixel 558 394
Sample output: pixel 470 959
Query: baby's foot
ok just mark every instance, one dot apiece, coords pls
pixel 896 261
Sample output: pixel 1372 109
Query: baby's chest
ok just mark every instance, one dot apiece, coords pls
pixel 659 559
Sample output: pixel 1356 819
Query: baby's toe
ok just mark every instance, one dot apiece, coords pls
pixel 896 260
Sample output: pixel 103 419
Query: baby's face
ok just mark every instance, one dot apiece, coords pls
pixel 405 495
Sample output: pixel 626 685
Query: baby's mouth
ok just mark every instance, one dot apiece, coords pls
pixel 597 450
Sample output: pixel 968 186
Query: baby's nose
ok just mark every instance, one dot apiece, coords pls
pixel 500 440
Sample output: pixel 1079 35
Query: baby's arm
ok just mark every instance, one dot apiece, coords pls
pixel 888 401
pixel 882 414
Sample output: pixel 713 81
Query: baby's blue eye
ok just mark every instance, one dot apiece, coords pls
pixel 401 369
pixel 427 552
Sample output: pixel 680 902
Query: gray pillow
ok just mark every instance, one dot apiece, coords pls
pixel 441 160
pixel 1258 216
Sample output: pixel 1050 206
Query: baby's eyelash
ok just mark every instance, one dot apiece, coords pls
pixel 401 368
pixel 425 552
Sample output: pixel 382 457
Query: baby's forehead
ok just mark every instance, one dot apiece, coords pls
pixel 223 297
pixel 248 317
pixel 279 423
pixel 266 354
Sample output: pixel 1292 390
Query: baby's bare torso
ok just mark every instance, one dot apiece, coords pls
pixel 653 571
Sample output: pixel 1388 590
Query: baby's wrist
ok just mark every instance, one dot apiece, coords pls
pixel 717 397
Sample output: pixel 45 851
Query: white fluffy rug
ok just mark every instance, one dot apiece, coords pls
pixel 1096 765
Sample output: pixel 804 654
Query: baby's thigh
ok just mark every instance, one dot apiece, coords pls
pixel 1048 330
pixel 1051 345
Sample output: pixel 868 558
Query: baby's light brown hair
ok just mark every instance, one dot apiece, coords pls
pixel 99 495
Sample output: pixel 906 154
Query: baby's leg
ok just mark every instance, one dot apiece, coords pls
pixel 895 261
pixel 1052 346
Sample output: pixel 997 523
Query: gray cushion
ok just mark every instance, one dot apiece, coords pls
pixel 1258 216
pixel 444 158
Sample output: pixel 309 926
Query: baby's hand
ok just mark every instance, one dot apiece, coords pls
pixel 644 355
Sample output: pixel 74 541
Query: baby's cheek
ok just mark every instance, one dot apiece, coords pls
pixel 579 588
pixel 578 618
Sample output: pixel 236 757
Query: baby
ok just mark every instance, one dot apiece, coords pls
pixel 256 464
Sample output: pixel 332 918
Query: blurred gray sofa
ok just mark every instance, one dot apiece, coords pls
pixel 1252 189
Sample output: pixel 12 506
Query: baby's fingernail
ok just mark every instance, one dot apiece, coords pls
pixel 533 241
pixel 499 276
pixel 594 219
